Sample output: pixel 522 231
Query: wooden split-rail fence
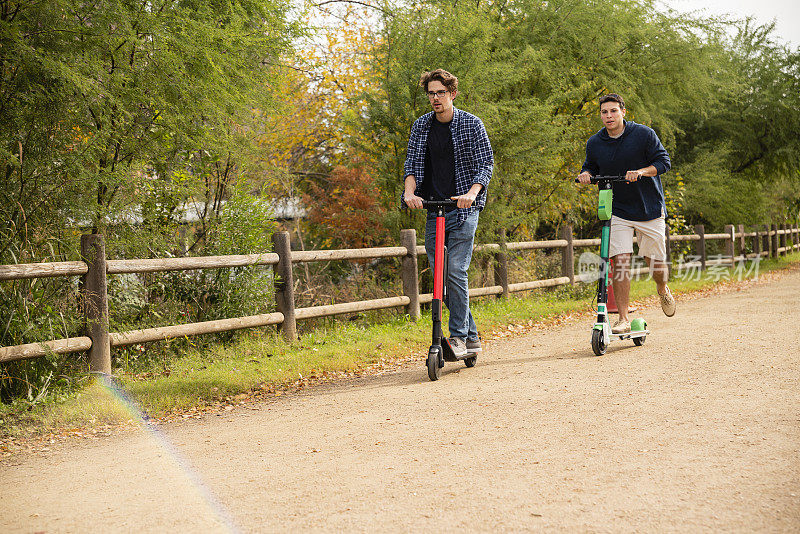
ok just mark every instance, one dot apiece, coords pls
pixel 767 241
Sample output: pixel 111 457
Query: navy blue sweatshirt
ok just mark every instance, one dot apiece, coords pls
pixel 638 147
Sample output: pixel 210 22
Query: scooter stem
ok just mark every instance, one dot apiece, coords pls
pixel 438 263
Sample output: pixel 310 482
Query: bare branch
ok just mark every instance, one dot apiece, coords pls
pixel 365 4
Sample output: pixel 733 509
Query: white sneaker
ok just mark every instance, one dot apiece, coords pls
pixel 621 327
pixel 459 347
pixel 667 303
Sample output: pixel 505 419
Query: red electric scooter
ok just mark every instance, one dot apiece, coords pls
pixel 440 350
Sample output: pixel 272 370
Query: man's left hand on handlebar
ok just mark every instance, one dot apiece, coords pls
pixel 465 201
pixel 632 176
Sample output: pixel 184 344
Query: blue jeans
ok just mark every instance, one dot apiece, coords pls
pixel 459 239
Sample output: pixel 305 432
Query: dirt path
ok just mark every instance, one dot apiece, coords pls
pixel 698 430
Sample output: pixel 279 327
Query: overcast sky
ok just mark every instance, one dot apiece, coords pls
pixel 786 13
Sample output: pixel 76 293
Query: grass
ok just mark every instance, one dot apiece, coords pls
pixel 262 363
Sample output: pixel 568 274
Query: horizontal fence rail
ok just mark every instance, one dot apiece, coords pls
pixel 351 307
pixel 185 264
pixel 533 245
pixel 120 339
pixel 685 238
pixel 34 350
pixel 765 241
pixel 348 254
pixel 42 270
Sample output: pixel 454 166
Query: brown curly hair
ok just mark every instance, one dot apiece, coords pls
pixel 441 75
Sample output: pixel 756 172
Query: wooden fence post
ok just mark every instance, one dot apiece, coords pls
pixel 501 266
pixel 767 241
pixel 408 239
pixel 742 242
pixel 794 236
pixel 776 243
pixel 757 242
pixel 284 284
pixel 786 240
pixel 95 302
pixel 568 254
pixel 770 241
pixel 730 243
pixel 669 251
pixel 701 245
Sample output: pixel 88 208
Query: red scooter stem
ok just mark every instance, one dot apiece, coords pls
pixel 440 350
pixel 438 264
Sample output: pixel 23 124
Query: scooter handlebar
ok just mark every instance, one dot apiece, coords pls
pixel 599 179
pixel 432 204
pixel 436 204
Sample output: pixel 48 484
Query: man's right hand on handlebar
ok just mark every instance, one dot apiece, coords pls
pixel 410 187
pixel 584 177
pixel 412 200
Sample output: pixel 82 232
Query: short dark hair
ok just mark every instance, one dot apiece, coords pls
pixel 441 75
pixel 612 97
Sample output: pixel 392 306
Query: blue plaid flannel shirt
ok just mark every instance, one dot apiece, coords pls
pixel 473 155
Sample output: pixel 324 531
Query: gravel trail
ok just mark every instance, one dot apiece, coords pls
pixel 697 430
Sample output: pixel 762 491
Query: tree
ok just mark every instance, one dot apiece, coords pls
pixel 740 153
pixel 347 209
pixel 533 72
pixel 115 109
pixel 131 86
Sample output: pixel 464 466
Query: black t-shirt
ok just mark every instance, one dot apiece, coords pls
pixel 440 163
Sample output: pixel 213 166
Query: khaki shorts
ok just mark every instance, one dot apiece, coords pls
pixel 650 237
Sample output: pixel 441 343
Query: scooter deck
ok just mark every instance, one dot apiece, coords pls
pixel 632 335
pixel 449 356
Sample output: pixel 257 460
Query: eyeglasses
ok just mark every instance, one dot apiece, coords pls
pixel 440 94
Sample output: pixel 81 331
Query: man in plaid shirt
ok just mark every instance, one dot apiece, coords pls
pixel 449 156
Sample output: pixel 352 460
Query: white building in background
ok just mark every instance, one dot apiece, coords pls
pixel 282 209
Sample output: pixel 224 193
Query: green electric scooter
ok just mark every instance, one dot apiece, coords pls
pixel 601 331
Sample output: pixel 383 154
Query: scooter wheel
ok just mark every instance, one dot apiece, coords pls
pixel 639 341
pixel 598 345
pixel 471 361
pixel 433 365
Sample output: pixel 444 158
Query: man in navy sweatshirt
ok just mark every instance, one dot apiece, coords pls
pixel 633 150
